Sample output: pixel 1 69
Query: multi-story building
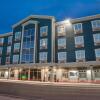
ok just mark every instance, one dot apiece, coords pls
pixel 41 49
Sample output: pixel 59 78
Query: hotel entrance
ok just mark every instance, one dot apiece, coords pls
pixel 30 74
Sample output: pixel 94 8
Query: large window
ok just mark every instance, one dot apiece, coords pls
pixel 43 44
pixel 15 59
pixel 17 36
pixel 62 57
pixel 43 31
pixel 43 57
pixel 28 46
pixel 8 60
pixel 8 49
pixel 80 55
pixel 61 30
pixel 9 39
pixel 16 47
pixel 0 50
pixel 96 39
pixel 0 60
pixel 78 28
pixel 97 53
pixel 96 25
pixel 61 43
pixel 79 41
pixel 1 40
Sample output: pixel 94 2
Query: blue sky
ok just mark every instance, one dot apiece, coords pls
pixel 12 11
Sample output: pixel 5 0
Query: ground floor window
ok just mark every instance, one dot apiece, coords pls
pixel 82 74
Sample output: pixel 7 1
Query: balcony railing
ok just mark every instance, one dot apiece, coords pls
pixel 43 34
pixel 96 43
pixel 9 43
pixel 80 60
pixel 16 50
pixel 78 31
pixel 98 59
pixel 96 28
pixel 17 39
pixel 1 44
pixel 7 62
pixel 43 61
pixel 62 47
pixel 8 53
pixel 61 34
pixel 79 45
pixel 43 47
pixel 61 61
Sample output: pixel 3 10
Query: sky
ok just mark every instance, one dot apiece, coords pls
pixel 12 11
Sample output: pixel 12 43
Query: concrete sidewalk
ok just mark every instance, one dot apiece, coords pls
pixel 51 83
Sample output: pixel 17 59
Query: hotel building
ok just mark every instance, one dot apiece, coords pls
pixel 41 49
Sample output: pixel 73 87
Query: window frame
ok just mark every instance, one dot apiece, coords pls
pixel 80 42
pixel 62 57
pixel 80 55
pixel 79 30
pixel 43 33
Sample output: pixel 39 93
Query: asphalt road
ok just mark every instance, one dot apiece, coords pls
pixel 49 92
pixel 4 97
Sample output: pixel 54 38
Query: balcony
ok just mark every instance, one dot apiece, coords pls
pixel 98 59
pixel 80 60
pixel 17 40
pixel 61 34
pixel 79 45
pixel 8 53
pixel 78 31
pixel 7 62
pixel 96 28
pixel 43 61
pixel 97 43
pixel 1 43
pixel 16 50
pixel 62 47
pixel 43 34
pixel 61 61
pixel 0 53
pixel 15 62
pixel 9 43
pixel 43 47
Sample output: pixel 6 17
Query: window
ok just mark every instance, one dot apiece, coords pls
pixel 28 46
pixel 96 39
pixel 82 73
pixel 80 55
pixel 43 44
pixel 43 31
pixel 0 60
pixel 0 50
pixel 97 73
pixel 62 57
pixel 9 39
pixel 1 40
pixel 61 43
pixel 96 25
pixel 79 41
pixel 16 47
pixel 8 49
pixel 78 28
pixel 15 59
pixel 8 60
pixel 61 30
pixel 97 53
pixel 43 56
pixel 17 36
